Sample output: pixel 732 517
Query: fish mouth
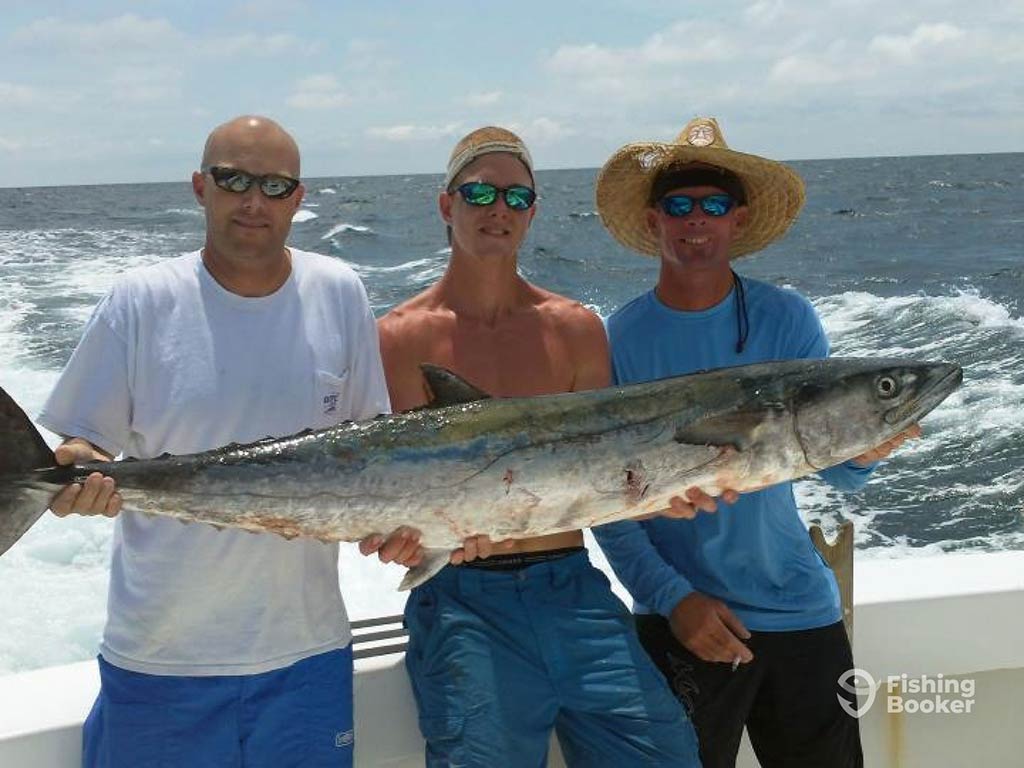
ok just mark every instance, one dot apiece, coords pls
pixel 946 379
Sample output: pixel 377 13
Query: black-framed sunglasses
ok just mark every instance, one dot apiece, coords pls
pixel 517 197
pixel 716 205
pixel 273 185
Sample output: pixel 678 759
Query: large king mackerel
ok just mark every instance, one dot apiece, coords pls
pixel 510 468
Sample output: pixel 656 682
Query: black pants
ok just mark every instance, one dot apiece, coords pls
pixel 786 697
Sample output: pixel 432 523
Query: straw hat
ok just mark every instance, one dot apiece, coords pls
pixel 775 193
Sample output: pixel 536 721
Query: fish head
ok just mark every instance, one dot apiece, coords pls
pixel 847 407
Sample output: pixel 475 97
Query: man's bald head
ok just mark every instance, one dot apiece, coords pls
pixel 244 139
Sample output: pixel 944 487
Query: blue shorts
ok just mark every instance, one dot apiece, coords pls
pixel 297 716
pixel 497 659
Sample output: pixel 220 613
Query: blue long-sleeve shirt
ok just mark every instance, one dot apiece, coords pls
pixel 754 555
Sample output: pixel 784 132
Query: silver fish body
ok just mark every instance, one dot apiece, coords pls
pixel 519 467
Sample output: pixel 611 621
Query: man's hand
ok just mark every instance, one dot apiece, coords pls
pixel 481 547
pixel 96 496
pixel 882 451
pixel 402 547
pixel 692 501
pixel 709 630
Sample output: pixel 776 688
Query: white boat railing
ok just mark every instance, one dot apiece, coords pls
pixel 955 619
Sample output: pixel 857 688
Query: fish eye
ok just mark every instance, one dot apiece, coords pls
pixel 887 387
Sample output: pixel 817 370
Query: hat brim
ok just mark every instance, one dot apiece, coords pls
pixel 775 193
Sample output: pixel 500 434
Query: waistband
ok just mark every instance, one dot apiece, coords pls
pixel 550 572
pixel 515 561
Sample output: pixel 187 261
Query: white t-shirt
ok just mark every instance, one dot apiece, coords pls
pixel 172 362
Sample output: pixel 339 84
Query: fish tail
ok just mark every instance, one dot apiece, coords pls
pixel 22 450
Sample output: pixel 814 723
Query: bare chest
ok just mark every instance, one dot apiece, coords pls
pixel 511 359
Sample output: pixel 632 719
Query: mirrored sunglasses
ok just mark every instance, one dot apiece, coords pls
pixel 682 205
pixel 234 180
pixel 517 197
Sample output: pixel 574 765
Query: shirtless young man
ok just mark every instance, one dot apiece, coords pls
pixel 503 649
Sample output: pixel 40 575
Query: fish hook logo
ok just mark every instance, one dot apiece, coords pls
pixel 858 682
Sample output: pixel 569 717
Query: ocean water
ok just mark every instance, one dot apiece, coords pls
pixel 906 256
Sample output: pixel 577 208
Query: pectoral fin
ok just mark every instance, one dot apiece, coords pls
pixel 433 561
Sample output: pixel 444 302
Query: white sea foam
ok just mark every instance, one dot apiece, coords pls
pixel 343 228
pixel 302 215
pixel 426 276
pixel 370 269
pixel 328 191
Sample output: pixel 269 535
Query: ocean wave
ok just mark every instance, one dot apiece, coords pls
pixel 327 191
pixel 865 323
pixel 302 215
pixel 343 228
pixel 368 269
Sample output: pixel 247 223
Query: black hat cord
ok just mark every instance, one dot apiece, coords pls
pixel 742 319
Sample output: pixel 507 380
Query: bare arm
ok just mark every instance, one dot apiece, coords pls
pixel 401 357
pixel 588 343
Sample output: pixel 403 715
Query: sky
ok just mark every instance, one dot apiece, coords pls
pixel 112 92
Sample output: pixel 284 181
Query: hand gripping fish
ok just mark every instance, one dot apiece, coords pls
pixel 510 468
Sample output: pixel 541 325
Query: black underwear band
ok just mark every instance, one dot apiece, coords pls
pixel 516 561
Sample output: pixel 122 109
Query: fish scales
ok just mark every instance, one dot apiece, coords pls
pixel 511 468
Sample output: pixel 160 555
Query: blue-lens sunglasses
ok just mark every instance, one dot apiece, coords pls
pixel 677 206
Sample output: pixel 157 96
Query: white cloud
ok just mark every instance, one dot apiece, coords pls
pixel 8 145
pixel 256 45
pixel 681 43
pixel 137 85
pixel 369 55
pixel 919 42
pixel 121 34
pixel 409 132
pixel 318 92
pixel 485 99
pixel 765 11
pixel 131 35
pixel 541 130
pixel 14 95
pixel 807 70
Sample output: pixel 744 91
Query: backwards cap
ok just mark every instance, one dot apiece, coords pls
pixel 483 141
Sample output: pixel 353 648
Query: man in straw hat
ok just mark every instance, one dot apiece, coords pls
pixel 503 649
pixel 737 609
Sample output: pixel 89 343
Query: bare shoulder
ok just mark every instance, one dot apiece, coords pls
pixel 409 323
pixel 407 336
pixel 583 336
pixel 570 316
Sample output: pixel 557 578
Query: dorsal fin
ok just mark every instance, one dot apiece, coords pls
pixel 448 389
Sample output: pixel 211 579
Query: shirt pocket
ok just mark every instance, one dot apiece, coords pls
pixel 330 406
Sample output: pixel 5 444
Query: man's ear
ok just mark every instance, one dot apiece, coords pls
pixel 198 186
pixel 651 217
pixel 298 196
pixel 742 216
pixel 444 205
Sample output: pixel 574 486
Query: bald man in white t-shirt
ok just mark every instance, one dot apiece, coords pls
pixel 221 648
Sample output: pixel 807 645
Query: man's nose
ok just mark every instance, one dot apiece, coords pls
pixel 500 206
pixel 252 198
